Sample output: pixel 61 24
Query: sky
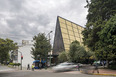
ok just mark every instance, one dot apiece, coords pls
pixel 23 19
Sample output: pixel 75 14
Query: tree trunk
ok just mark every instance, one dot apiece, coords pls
pixel 107 63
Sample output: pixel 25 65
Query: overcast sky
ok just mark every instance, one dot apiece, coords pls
pixel 22 19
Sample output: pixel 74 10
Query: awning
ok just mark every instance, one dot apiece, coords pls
pixel 37 61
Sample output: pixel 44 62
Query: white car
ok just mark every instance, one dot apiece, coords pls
pixel 64 67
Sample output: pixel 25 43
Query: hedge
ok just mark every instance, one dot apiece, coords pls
pixel 15 64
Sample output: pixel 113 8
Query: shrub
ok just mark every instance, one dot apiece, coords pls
pixel 15 64
pixel 112 65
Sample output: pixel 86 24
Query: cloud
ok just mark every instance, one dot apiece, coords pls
pixel 22 19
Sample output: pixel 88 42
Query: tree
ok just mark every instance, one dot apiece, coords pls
pixel 106 46
pixel 76 52
pixel 63 56
pixel 6 45
pixel 99 14
pixel 41 47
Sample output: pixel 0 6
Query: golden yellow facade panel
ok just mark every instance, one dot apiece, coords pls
pixel 72 40
pixel 65 35
pixel 77 34
pixel 75 30
pixel 81 36
pixel 63 30
pixel 71 33
pixel 66 41
pixel 72 37
pixel 69 27
pixel 61 20
pixel 66 49
pixel 80 31
pixel 79 27
pixel 78 39
pixel 74 25
pixel 63 25
pixel 66 45
pixel 68 23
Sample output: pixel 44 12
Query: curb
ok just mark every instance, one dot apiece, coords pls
pixel 99 74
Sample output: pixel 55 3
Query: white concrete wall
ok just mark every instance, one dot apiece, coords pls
pixel 27 56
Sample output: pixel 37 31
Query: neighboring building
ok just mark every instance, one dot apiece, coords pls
pixel 65 33
pixel 25 49
pixel 13 56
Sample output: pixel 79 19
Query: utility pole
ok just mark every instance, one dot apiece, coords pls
pixel 50 48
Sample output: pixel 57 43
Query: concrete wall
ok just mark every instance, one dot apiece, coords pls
pixel 27 57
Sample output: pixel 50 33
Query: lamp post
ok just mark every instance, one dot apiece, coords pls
pixel 50 48
pixel 21 58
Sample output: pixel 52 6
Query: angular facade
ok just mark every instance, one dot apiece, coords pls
pixel 65 33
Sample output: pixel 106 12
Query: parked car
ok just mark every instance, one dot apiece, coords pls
pixel 64 67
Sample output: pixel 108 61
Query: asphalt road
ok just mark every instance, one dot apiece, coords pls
pixel 44 73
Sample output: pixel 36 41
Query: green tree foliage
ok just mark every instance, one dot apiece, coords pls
pixel 63 56
pixel 76 52
pixel 106 46
pixel 6 45
pixel 99 12
pixel 100 28
pixel 41 47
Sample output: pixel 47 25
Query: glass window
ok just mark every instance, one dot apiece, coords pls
pixel 72 40
pixel 68 23
pixel 69 27
pixel 80 31
pixel 82 40
pixel 74 25
pixel 71 33
pixel 78 39
pixel 66 41
pixel 61 20
pixel 66 45
pixel 81 36
pixel 72 37
pixel 63 25
pixel 79 27
pixel 77 34
pixel 75 30
pixel 65 35
pixel 63 30
pixel 66 49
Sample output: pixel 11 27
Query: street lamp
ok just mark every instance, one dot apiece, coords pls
pixel 50 48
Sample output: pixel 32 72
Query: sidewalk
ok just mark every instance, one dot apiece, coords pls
pixel 4 68
pixel 89 70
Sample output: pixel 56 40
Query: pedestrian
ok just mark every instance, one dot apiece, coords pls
pixel 32 67
pixel 96 68
pixel 28 67
pixel 78 66
pixel 40 65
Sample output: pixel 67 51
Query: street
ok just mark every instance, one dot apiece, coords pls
pixel 44 73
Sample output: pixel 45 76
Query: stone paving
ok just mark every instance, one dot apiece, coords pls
pixel 86 69
pixel 89 70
